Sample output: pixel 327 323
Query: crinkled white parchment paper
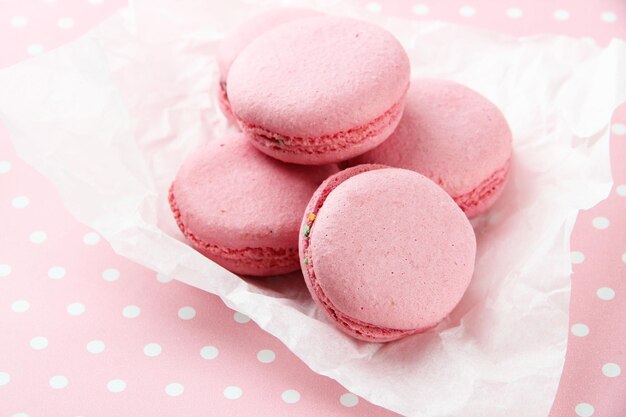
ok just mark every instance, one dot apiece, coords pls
pixel 110 117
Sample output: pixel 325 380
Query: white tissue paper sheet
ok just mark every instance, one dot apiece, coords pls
pixel 109 119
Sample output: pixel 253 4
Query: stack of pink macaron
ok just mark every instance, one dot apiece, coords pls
pixel 341 165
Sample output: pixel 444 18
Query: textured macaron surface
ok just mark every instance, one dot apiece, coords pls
pixel 318 76
pixel 252 28
pixel 387 248
pixel 451 134
pixel 232 196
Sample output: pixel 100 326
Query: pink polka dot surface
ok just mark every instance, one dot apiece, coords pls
pixel 87 332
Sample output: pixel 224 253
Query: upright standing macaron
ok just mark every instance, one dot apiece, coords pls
pixel 385 252
pixel 456 137
pixel 319 90
pixel 241 208
pixel 245 33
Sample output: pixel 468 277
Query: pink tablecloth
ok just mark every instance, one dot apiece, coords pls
pixel 84 332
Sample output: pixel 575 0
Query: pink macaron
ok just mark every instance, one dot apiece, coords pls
pixel 245 33
pixel 241 208
pixel 454 136
pixel 385 252
pixel 319 90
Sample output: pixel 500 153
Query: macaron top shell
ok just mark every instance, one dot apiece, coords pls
pixel 318 76
pixel 249 30
pixel 239 198
pixel 449 133
pixel 389 248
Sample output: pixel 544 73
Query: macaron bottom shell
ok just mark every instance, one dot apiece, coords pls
pixel 261 261
pixel 481 198
pixel 327 148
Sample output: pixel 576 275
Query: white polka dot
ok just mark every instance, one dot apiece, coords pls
pixel 348 399
pixel 5 166
pixel 18 21
pixel 624 257
pixel 110 274
pixel 621 190
pixel 20 306
pixel 116 385
pixel 374 7
pixel 600 222
pixel 56 272
pixel 514 12
pixel 38 236
pixel 241 318
pixel 232 392
pixel 266 356
pixel 58 382
pixel 38 342
pixel 95 2
pixel 152 350
pixel 580 330
pixel 65 23
pixel 174 389
pixel 467 11
pixel 608 16
pixel 163 278
pixel 618 129
pixel 5 270
pixel 577 257
pixel 420 9
pixel 91 238
pixel 34 49
pixel 75 309
pixel 20 202
pixel 187 313
pixel 209 352
pixel 95 346
pixel 584 410
pixel 131 312
pixel 4 378
pixel 20 415
pixel 561 14
pixel 290 396
pixel 612 370
pixel 605 293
